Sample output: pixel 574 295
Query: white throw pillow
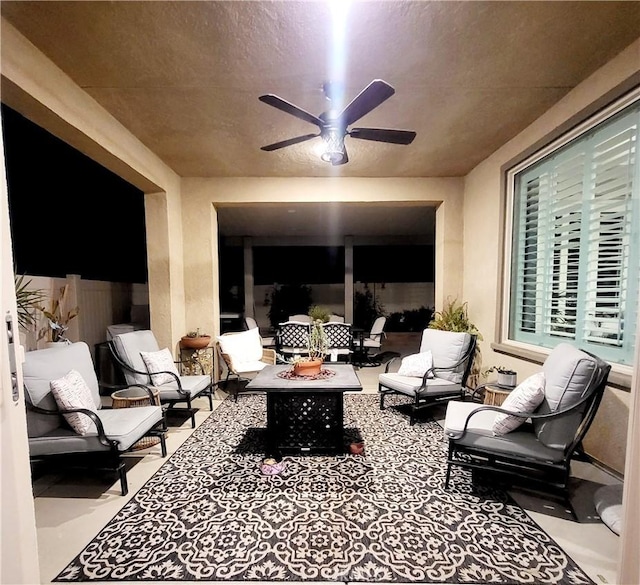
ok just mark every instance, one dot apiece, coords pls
pixel 245 346
pixel 71 391
pixel 526 397
pixel 160 361
pixel 416 364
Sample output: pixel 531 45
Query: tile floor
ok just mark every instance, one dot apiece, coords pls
pixel 71 509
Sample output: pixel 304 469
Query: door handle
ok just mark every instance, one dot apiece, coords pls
pixel 15 391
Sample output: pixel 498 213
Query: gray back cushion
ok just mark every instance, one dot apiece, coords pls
pixel 447 348
pixel 569 374
pixel 44 365
pixel 128 347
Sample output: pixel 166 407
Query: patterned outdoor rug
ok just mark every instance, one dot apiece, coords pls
pixel 209 514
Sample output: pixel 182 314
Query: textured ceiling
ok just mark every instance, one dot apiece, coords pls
pixel 185 77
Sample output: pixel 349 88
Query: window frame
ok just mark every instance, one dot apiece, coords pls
pixel 621 374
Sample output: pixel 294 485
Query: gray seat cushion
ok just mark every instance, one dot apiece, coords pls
pixel 569 373
pixel 125 425
pixel 50 434
pixel 44 365
pixel 409 385
pixel 519 443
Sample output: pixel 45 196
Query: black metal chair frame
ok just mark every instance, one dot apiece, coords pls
pixel 423 400
pixel 528 472
pixel 169 402
pixel 290 335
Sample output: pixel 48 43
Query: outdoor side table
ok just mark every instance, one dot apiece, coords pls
pixel 495 395
pixel 132 397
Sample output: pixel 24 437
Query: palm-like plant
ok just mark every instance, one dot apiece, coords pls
pixel 28 301
pixel 58 318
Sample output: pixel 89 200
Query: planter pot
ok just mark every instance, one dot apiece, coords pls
pixel 507 379
pixel 307 368
pixel 195 342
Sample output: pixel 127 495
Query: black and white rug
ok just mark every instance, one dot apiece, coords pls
pixel 209 514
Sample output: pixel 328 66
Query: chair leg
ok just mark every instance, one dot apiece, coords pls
pixel 449 463
pixel 211 397
pixel 122 473
pixel 193 414
pixel 163 444
pixel 382 396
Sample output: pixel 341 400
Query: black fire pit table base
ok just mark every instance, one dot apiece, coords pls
pixel 305 416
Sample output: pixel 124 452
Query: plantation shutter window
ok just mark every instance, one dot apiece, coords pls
pixel 575 264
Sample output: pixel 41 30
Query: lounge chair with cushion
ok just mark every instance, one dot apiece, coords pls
pixel 244 356
pixel 143 362
pixel 554 407
pixel 436 374
pixel 65 418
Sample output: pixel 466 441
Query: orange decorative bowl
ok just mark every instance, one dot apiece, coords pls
pixel 195 342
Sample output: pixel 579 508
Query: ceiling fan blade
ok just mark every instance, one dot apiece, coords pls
pixel 383 135
pixel 370 97
pixel 289 142
pixel 289 108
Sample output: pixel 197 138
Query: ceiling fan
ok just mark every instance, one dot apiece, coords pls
pixel 334 125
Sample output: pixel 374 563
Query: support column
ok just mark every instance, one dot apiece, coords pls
pixel 348 279
pixel 249 302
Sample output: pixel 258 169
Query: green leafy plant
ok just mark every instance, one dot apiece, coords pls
pixel 58 318
pixel 497 369
pixel 195 334
pixel 317 312
pixel 454 317
pixel 28 301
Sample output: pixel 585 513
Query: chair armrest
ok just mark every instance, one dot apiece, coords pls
pixel 268 355
pixel 102 437
pixel 389 362
pixel 523 415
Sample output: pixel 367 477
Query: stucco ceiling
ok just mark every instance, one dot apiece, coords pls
pixel 185 77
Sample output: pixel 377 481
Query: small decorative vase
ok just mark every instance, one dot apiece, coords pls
pixel 307 367
pixel 195 342
pixel 507 379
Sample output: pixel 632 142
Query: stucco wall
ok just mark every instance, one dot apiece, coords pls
pixel 483 228
pixel 201 195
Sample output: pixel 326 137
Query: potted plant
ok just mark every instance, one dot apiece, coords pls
pixel 506 376
pixel 317 312
pixel 58 319
pixel 311 364
pixel 454 317
pixel 195 340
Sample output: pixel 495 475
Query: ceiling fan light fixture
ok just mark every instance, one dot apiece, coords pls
pixel 334 151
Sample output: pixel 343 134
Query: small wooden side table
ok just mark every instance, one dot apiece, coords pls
pixel 132 397
pixel 496 395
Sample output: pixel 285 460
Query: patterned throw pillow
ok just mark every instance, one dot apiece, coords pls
pixel 71 391
pixel 416 364
pixel 526 397
pixel 160 361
